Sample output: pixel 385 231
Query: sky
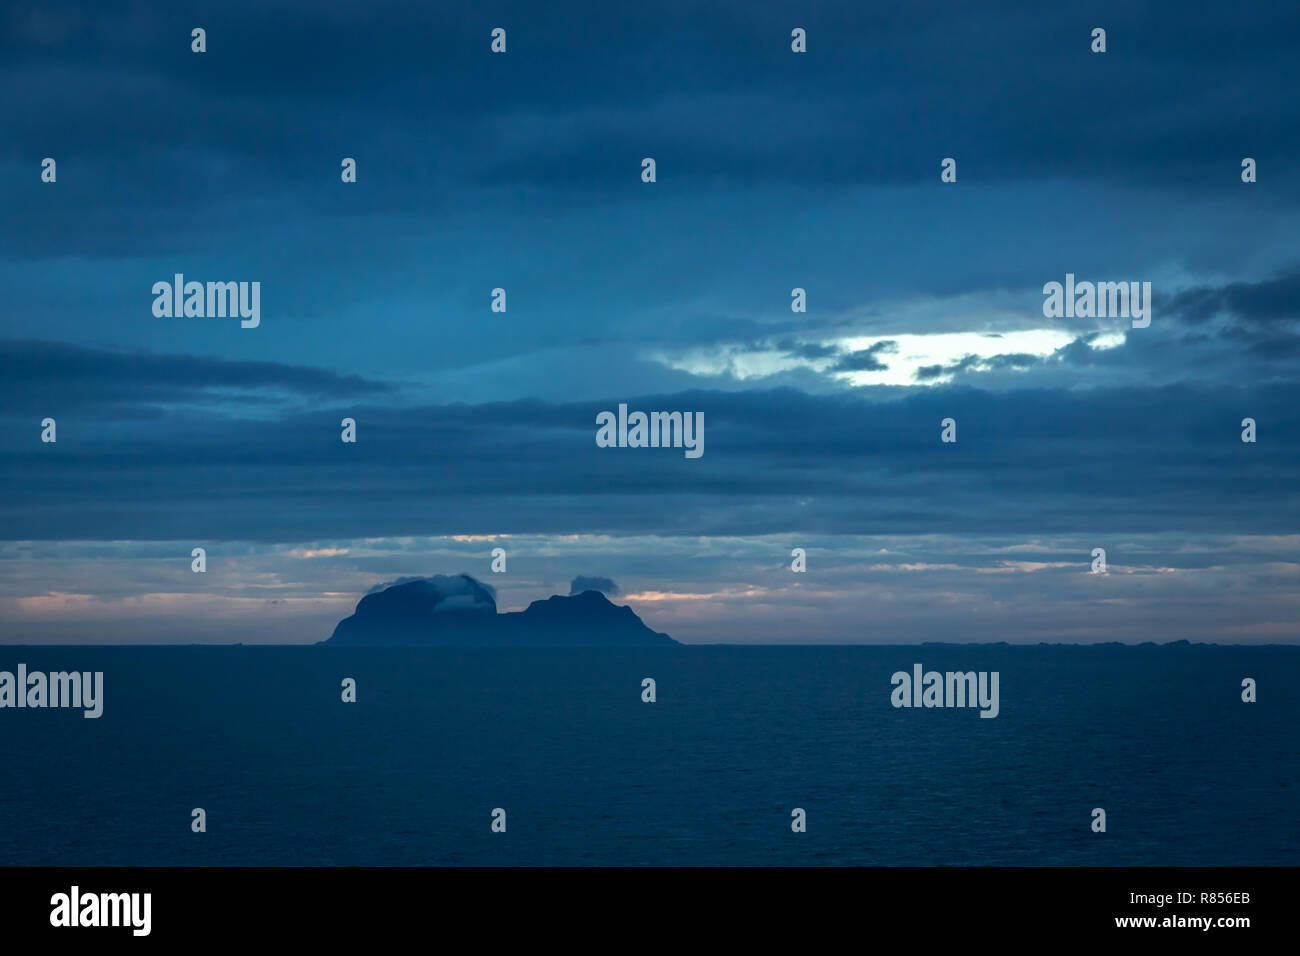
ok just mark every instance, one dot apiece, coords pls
pixel 775 170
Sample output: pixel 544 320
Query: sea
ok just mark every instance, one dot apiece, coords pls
pixel 711 772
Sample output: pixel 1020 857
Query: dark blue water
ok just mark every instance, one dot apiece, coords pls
pixel 588 774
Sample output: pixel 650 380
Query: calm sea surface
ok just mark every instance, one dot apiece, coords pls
pixel 708 774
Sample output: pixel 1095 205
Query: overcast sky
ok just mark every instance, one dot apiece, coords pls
pixel 775 170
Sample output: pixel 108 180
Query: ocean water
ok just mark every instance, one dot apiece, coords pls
pixel 708 774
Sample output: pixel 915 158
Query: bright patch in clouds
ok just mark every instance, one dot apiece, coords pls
pixel 944 348
pixel 908 354
pixel 735 361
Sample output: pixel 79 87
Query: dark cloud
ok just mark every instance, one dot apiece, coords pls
pixel 928 373
pixel 37 375
pixel 151 136
pixel 1040 460
pixel 967 363
pixel 866 360
pixel 1012 360
pixel 584 583
pixel 1273 300
pixel 802 350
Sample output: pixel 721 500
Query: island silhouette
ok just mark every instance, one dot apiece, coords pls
pixel 458 611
